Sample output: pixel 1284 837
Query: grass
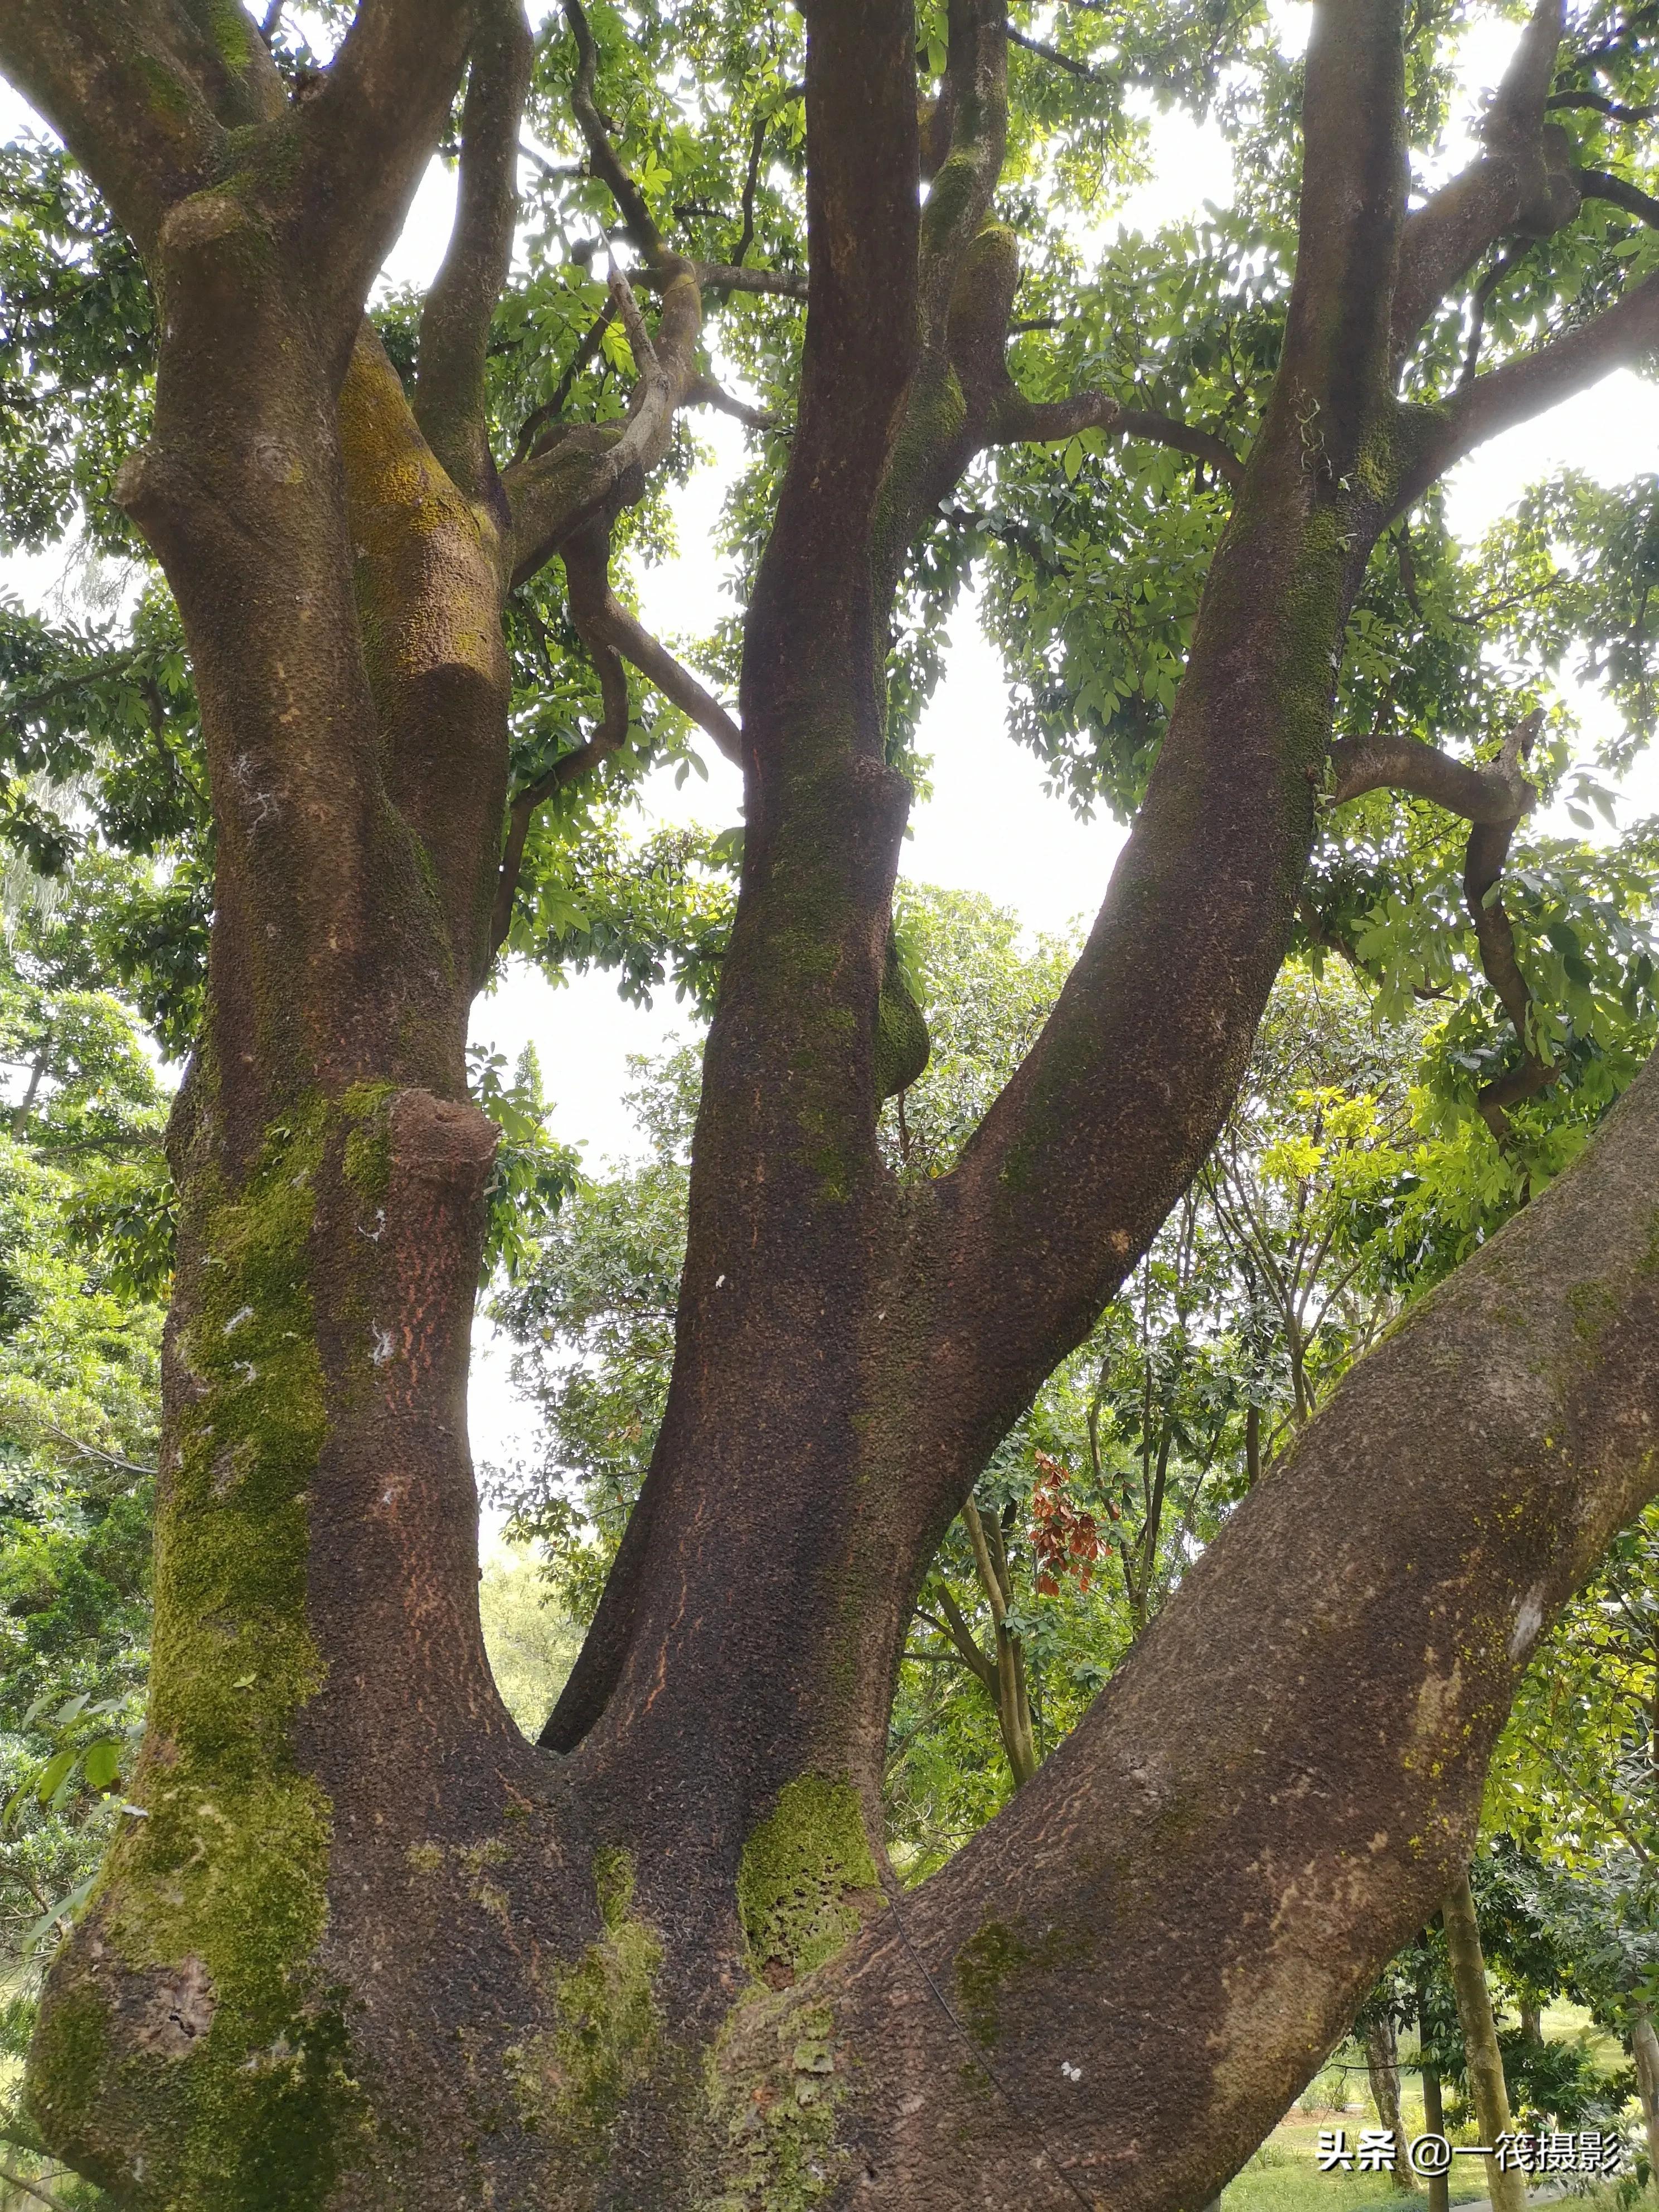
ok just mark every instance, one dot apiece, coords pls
pixel 1283 2175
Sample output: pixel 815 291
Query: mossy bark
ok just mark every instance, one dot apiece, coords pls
pixel 360 1946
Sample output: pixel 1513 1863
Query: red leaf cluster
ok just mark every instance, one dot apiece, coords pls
pixel 1064 1540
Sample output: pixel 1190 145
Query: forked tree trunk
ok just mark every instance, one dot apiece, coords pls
pixel 364 1947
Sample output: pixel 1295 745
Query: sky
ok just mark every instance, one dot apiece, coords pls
pixel 988 825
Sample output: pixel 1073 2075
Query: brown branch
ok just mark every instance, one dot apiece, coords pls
pixel 751 179
pixel 550 409
pixel 1597 185
pixel 1607 107
pixel 1521 389
pixel 1493 801
pixel 638 223
pixel 1020 421
pixel 705 392
pixel 99 93
pixel 273 16
pixel 967 1643
pixel 1503 267
pixel 585 558
pixel 449 392
pixel 1376 763
pixel 1047 54
pixel 15 2180
pixel 1518 184
pixel 363 140
pixel 721 276
pixel 572 479
pixel 611 622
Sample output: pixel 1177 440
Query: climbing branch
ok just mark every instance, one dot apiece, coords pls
pixel 449 395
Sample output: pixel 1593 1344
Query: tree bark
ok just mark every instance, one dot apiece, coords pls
pixel 1382 2069
pixel 1434 2123
pixel 1488 2090
pixel 1644 2049
pixel 359 1943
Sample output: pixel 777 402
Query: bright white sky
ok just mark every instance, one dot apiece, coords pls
pixel 988 826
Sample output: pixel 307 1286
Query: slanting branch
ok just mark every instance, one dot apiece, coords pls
pixel 1044 51
pixel 1440 1509
pixel 1493 801
pixel 611 637
pixel 1601 106
pixel 1619 335
pixel 638 224
pixel 584 559
pixel 363 140
pixel 705 392
pixel 1520 185
pixel 449 392
pixel 1597 185
pixel 1020 420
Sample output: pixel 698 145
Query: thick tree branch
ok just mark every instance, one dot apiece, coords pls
pixel 1595 100
pixel 570 479
pixel 720 276
pixel 959 199
pixel 1597 185
pixel 1188 1900
pixel 1020 421
pixel 1520 186
pixel 1618 337
pixel 1376 763
pixel 449 392
pixel 363 140
pixel 99 92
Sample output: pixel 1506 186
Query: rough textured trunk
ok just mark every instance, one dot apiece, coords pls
pixel 1383 2069
pixel 364 1947
pixel 1644 2049
pixel 1488 2091
pixel 1434 2123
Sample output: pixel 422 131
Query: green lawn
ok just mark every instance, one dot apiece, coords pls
pixel 1284 2177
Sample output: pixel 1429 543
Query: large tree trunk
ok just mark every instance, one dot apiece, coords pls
pixel 362 1946
pixel 1488 2090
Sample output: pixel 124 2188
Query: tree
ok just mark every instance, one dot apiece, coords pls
pixel 368 1946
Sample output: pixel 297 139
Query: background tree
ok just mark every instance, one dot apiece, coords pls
pixel 667 1964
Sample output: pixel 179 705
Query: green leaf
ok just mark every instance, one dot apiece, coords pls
pixel 55 1773
pixel 103 1763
